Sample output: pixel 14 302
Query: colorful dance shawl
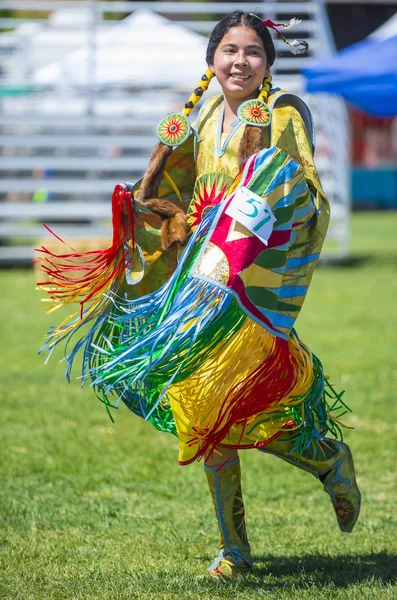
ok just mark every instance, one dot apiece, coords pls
pixel 202 343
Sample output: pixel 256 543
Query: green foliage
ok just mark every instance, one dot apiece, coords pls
pixel 95 511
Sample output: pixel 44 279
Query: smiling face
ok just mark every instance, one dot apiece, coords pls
pixel 240 63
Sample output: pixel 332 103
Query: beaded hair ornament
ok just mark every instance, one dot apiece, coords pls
pixel 295 46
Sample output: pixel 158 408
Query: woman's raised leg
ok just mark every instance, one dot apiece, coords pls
pixel 331 462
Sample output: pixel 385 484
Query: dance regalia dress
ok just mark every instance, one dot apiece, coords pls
pixel 201 342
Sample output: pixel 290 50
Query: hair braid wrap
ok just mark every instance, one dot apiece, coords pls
pixel 198 92
pixel 266 87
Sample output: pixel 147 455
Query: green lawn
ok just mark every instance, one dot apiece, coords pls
pixel 91 510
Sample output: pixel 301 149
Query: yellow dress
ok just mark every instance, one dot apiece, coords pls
pixel 203 408
pixel 216 168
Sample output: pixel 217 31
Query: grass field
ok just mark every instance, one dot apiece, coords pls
pixel 95 511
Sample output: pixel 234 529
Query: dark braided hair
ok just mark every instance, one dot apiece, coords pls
pixel 237 19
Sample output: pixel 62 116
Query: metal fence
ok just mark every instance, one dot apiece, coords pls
pixel 68 144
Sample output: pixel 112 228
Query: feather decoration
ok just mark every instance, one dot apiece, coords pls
pixel 292 23
pixel 298 46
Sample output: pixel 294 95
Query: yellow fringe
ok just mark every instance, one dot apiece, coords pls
pixel 195 403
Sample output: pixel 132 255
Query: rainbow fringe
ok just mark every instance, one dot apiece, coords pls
pixel 143 351
pixel 89 279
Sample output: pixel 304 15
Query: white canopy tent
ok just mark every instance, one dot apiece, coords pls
pixel 143 50
pixel 32 46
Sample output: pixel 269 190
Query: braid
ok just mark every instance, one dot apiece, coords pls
pixel 154 173
pixel 198 92
pixel 251 142
pixel 174 227
pixel 266 87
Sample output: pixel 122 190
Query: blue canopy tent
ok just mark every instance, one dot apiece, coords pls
pixel 365 74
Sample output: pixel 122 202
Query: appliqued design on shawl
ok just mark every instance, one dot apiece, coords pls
pixel 256 272
pixel 209 190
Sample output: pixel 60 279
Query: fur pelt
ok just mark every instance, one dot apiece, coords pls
pixel 174 229
pixel 164 208
pixel 151 180
pixel 250 143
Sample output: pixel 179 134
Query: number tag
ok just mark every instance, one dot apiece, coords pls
pixel 253 212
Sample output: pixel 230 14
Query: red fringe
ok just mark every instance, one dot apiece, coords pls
pixel 99 267
pixel 267 385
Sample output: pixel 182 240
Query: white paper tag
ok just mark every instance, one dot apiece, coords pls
pixel 253 212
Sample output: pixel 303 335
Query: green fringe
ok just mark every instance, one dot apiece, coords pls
pixel 315 415
pixel 143 397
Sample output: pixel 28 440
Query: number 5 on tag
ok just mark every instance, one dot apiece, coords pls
pixel 253 212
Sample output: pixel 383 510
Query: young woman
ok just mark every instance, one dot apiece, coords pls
pixel 200 341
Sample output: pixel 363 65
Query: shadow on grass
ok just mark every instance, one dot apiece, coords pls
pixel 341 571
pixel 275 574
pixel 348 262
pixel 358 261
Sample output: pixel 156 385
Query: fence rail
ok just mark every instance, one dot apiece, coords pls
pixel 60 186
pixel 165 7
pixel 51 140
pixel 72 148
pixel 77 163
